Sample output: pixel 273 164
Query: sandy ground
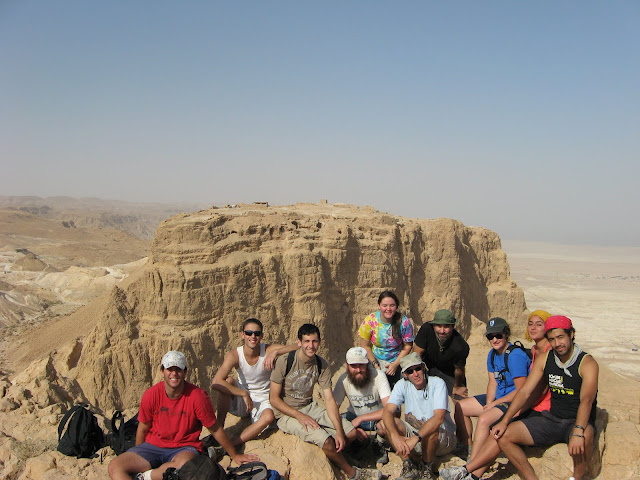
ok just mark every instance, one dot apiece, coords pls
pixel 597 287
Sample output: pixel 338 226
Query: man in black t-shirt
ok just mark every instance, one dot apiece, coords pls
pixel 444 351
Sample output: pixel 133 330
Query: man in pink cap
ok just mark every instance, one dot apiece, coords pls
pixel 572 377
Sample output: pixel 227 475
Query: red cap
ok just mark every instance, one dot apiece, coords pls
pixel 557 321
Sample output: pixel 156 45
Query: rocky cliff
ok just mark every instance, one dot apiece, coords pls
pixel 210 270
pixel 320 263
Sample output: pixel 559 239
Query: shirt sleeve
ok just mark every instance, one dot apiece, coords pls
pixel 324 380
pixel 382 384
pixel 204 409
pixel 519 363
pixel 397 395
pixel 489 367
pixel 365 329
pixel 421 337
pixel 461 361
pixel 338 392
pixel 406 330
pixel 277 374
pixel 145 413
pixel 440 395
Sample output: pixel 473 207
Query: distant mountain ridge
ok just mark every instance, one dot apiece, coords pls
pixel 137 219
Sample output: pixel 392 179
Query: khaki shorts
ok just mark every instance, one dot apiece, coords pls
pixel 446 439
pixel 318 436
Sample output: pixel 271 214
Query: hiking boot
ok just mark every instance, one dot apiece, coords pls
pixel 380 452
pixel 427 472
pixel 410 471
pixel 366 474
pixel 455 473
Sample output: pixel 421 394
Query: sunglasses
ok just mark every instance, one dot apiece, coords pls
pixel 410 370
pixel 491 336
pixel 250 333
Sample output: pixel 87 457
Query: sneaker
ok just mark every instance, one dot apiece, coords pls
pixel 366 474
pixel 455 473
pixel 426 473
pixel 380 452
pixel 410 471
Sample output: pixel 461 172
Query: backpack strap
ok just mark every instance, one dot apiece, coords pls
pixel 289 362
pixel 64 422
pixel 510 348
pixel 290 358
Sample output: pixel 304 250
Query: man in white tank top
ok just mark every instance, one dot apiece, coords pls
pixel 248 395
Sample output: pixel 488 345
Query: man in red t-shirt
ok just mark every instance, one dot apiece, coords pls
pixel 172 414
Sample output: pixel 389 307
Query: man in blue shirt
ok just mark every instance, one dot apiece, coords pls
pixel 427 428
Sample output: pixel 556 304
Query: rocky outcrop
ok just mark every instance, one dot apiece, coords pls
pixel 210 270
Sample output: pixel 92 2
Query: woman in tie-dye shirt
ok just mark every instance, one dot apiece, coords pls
pixel 387 335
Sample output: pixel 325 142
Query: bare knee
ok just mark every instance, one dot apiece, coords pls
pixel 329 445
pixel 267 417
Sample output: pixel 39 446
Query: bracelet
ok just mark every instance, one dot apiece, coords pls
pixel 580 427
pixel 419 437
pixel 577 435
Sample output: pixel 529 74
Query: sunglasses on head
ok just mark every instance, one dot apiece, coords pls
pixel 410 370
pixel 249 333
pixel 491 336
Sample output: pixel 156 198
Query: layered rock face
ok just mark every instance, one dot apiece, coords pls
pixel 326 264
pixel 319 263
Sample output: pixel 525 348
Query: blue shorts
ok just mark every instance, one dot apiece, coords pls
pixel 482 400
pixel 368 426
pixel 157 456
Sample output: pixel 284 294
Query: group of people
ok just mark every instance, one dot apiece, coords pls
pixel 541 397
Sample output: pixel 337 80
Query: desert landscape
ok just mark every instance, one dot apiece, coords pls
pixel 87 306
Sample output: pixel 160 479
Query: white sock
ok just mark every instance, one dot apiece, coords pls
pixel 146 475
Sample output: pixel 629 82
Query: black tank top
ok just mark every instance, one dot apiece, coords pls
pixel 565 390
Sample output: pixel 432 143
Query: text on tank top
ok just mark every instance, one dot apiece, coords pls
pixel 565 390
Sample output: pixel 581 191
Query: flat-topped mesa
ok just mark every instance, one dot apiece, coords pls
pixel 287 265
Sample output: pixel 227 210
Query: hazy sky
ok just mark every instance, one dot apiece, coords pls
pixel 523 117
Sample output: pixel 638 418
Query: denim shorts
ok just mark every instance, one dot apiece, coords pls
pixel 157 456
pixel 368 426
pixel 482 400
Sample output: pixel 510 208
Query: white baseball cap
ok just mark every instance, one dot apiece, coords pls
pixel 174 359
pixel 357 355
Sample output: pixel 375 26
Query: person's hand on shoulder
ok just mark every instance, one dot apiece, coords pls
pixel 270 361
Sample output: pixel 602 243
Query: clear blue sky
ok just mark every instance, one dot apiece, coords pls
pixel 523 117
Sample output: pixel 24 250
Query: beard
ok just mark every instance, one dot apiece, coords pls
pixel 360 381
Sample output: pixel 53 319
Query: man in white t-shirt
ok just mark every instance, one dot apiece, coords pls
pixel 427 427
pixel 368 391
pixel 249 394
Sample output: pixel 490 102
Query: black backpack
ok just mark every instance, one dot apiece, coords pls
pixel 201 467
pixel 290 358
pixel 122 437
pixel 79 434
pixel 510 348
